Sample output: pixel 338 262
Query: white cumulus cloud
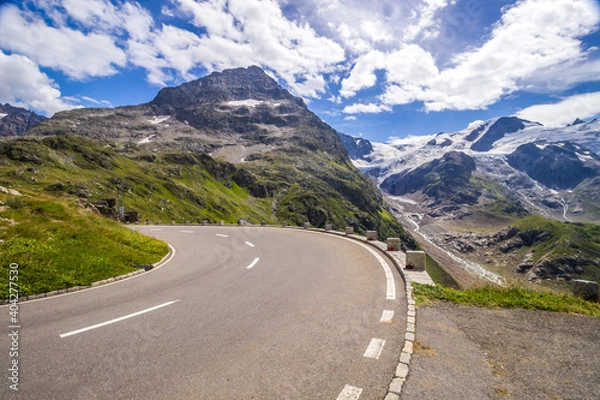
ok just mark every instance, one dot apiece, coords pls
pixel 565 111
pixel 247 32
pixel 22 84
pixel 77 54
pixel 531 37
pixel 536 46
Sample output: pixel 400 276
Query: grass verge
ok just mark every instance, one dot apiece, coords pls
pixel 58 245
pixel 491 297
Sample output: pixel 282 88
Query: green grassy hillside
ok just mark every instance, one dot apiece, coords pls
pixel 574 247
pixel 58 245
pixel 169 186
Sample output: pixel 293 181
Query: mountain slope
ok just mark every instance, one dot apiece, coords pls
pixel 279 152
pixel 444 179
pixel 15 121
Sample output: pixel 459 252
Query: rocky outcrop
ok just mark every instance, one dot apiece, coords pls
pixel 446 179
pixel 15 121
pixel 554 268
pixel 518 251
pixel 357 147
pixel 496 132
pixel 560 167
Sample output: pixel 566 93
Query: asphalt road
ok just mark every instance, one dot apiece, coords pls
pixel 238 313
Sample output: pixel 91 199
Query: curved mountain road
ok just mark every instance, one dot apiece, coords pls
pixel 238 313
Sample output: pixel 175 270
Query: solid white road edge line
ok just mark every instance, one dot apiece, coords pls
pixel 350 393
pixel 112 321
pixel 390 293
pixel 253 263
pixel 375 348
pixel 387 316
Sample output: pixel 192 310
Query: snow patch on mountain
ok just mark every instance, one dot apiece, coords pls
pixel 250 103
pixel 157 119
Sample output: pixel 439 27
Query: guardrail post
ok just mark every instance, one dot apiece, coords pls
pixel 393 244
pixel 416 260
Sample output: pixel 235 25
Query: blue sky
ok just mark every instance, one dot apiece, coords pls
pixel 377 68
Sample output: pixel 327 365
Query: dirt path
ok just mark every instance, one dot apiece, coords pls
pixel 475 353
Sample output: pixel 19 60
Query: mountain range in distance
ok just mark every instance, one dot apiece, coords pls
pixel 235 143
pixel 548 171
pixel 461 192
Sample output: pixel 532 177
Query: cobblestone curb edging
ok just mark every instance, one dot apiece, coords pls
pixel 146 268
pixel 402 370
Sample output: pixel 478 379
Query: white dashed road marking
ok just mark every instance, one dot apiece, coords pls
pixel 375 348
pixel 249 244
pixel 350 393
pixel 387 316
pixel 253 263
pixel 187 231
pixel 222 235
pixel 112 321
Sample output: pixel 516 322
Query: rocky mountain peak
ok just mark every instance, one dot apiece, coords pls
pixel 356 147
pixel 445 178
pixel 496 131
pixel 15 121
pixel 250 84
pixel 577 122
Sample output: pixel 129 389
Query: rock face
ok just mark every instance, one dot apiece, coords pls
pixel 495 132
pixel 558 167
pixel 15 121
pixel 445 179
pixel 357 148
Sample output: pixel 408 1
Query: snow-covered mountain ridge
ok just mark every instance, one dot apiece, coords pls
pixel 400 155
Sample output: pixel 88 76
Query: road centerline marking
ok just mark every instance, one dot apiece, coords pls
pixel 387 316
pixel 253 263
pixel 112 321
pixel 350 393
pixel 375 348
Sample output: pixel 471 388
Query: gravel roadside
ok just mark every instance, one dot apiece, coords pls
pixel 476 353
